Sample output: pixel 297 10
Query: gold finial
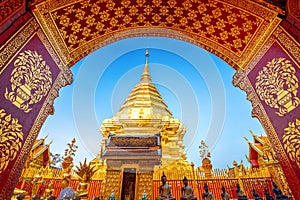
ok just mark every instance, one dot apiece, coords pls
pixel 247 139
pixel 146 76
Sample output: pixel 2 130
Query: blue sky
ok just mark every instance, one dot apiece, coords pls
pixel 196 86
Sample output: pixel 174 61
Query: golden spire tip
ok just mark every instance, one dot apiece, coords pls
pixel 146 76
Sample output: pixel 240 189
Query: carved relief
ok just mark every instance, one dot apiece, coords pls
pixel 11 137
pixel 145 184
pixel 291 140
pixel 133 141
pixel 277 85
pixel 30 80
pixel 204 20
pixel 112 183
pixel 228 29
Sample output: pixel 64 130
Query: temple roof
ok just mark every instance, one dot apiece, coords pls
pixel 144 101
pixel 256 148
pixel 38 142
pixel 40 149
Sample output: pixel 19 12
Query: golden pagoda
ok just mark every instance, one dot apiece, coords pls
pixel 141 136
pixel 145 112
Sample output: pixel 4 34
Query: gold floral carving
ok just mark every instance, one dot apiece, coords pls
pixel 11 49
pixel 16 42
pixel 241 80
pixel 30 80
pixel 11 137
pixel 291 140
pixel 133 141
pixel 235 31
pixel 277 85
pixel 287 43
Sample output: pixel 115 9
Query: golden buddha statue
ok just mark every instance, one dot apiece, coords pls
pixel 187 191
pixel 224 194
pixel 207 195
pixel 165 190
pixel 240 193
pixel 50 190
pixel 37 181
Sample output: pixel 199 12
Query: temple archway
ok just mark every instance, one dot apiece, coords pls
pixel 52 36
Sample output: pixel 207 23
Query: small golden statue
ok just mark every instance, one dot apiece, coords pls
pixel 240 193
pixel 38 179
pixel 187 191
pixel 224 194
pixel 85 173
pixel 68 163
pixel 207 195
pixel 67 175
pixel 165 190
pixel 50 190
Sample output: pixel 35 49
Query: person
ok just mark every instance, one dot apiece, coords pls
pixel 224 194
pixel 278 194
pixel 187 191
pixel 267 195
pixel 240 193
pixel 164 190
pixel 256 195
pixel 207 195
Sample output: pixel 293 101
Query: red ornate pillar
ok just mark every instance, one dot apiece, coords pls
pixel 271 82
pixel 31 74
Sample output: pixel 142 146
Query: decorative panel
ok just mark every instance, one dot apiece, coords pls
pixel 31 75
pixel 234 30
pixel 10 10
pixel 272 85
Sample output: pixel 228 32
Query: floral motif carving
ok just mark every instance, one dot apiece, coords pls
pixel 11 137
pixel 30 80
pixel 234 31
pixel 277 85
pixel 291 140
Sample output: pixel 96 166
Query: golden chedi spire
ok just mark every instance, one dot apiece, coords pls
pixel 144 101
pixel 146 76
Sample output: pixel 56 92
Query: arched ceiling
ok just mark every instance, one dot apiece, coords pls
pixel 234 30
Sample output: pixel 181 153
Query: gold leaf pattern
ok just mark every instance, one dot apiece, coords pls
pixel 201 18
pixel 30 80
pixel 277 85
pixel 291 142
pixel 11 138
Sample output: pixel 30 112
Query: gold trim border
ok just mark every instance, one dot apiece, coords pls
pixel 283 39
pixel 64 77
pixel 241 80
pixel 14 44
